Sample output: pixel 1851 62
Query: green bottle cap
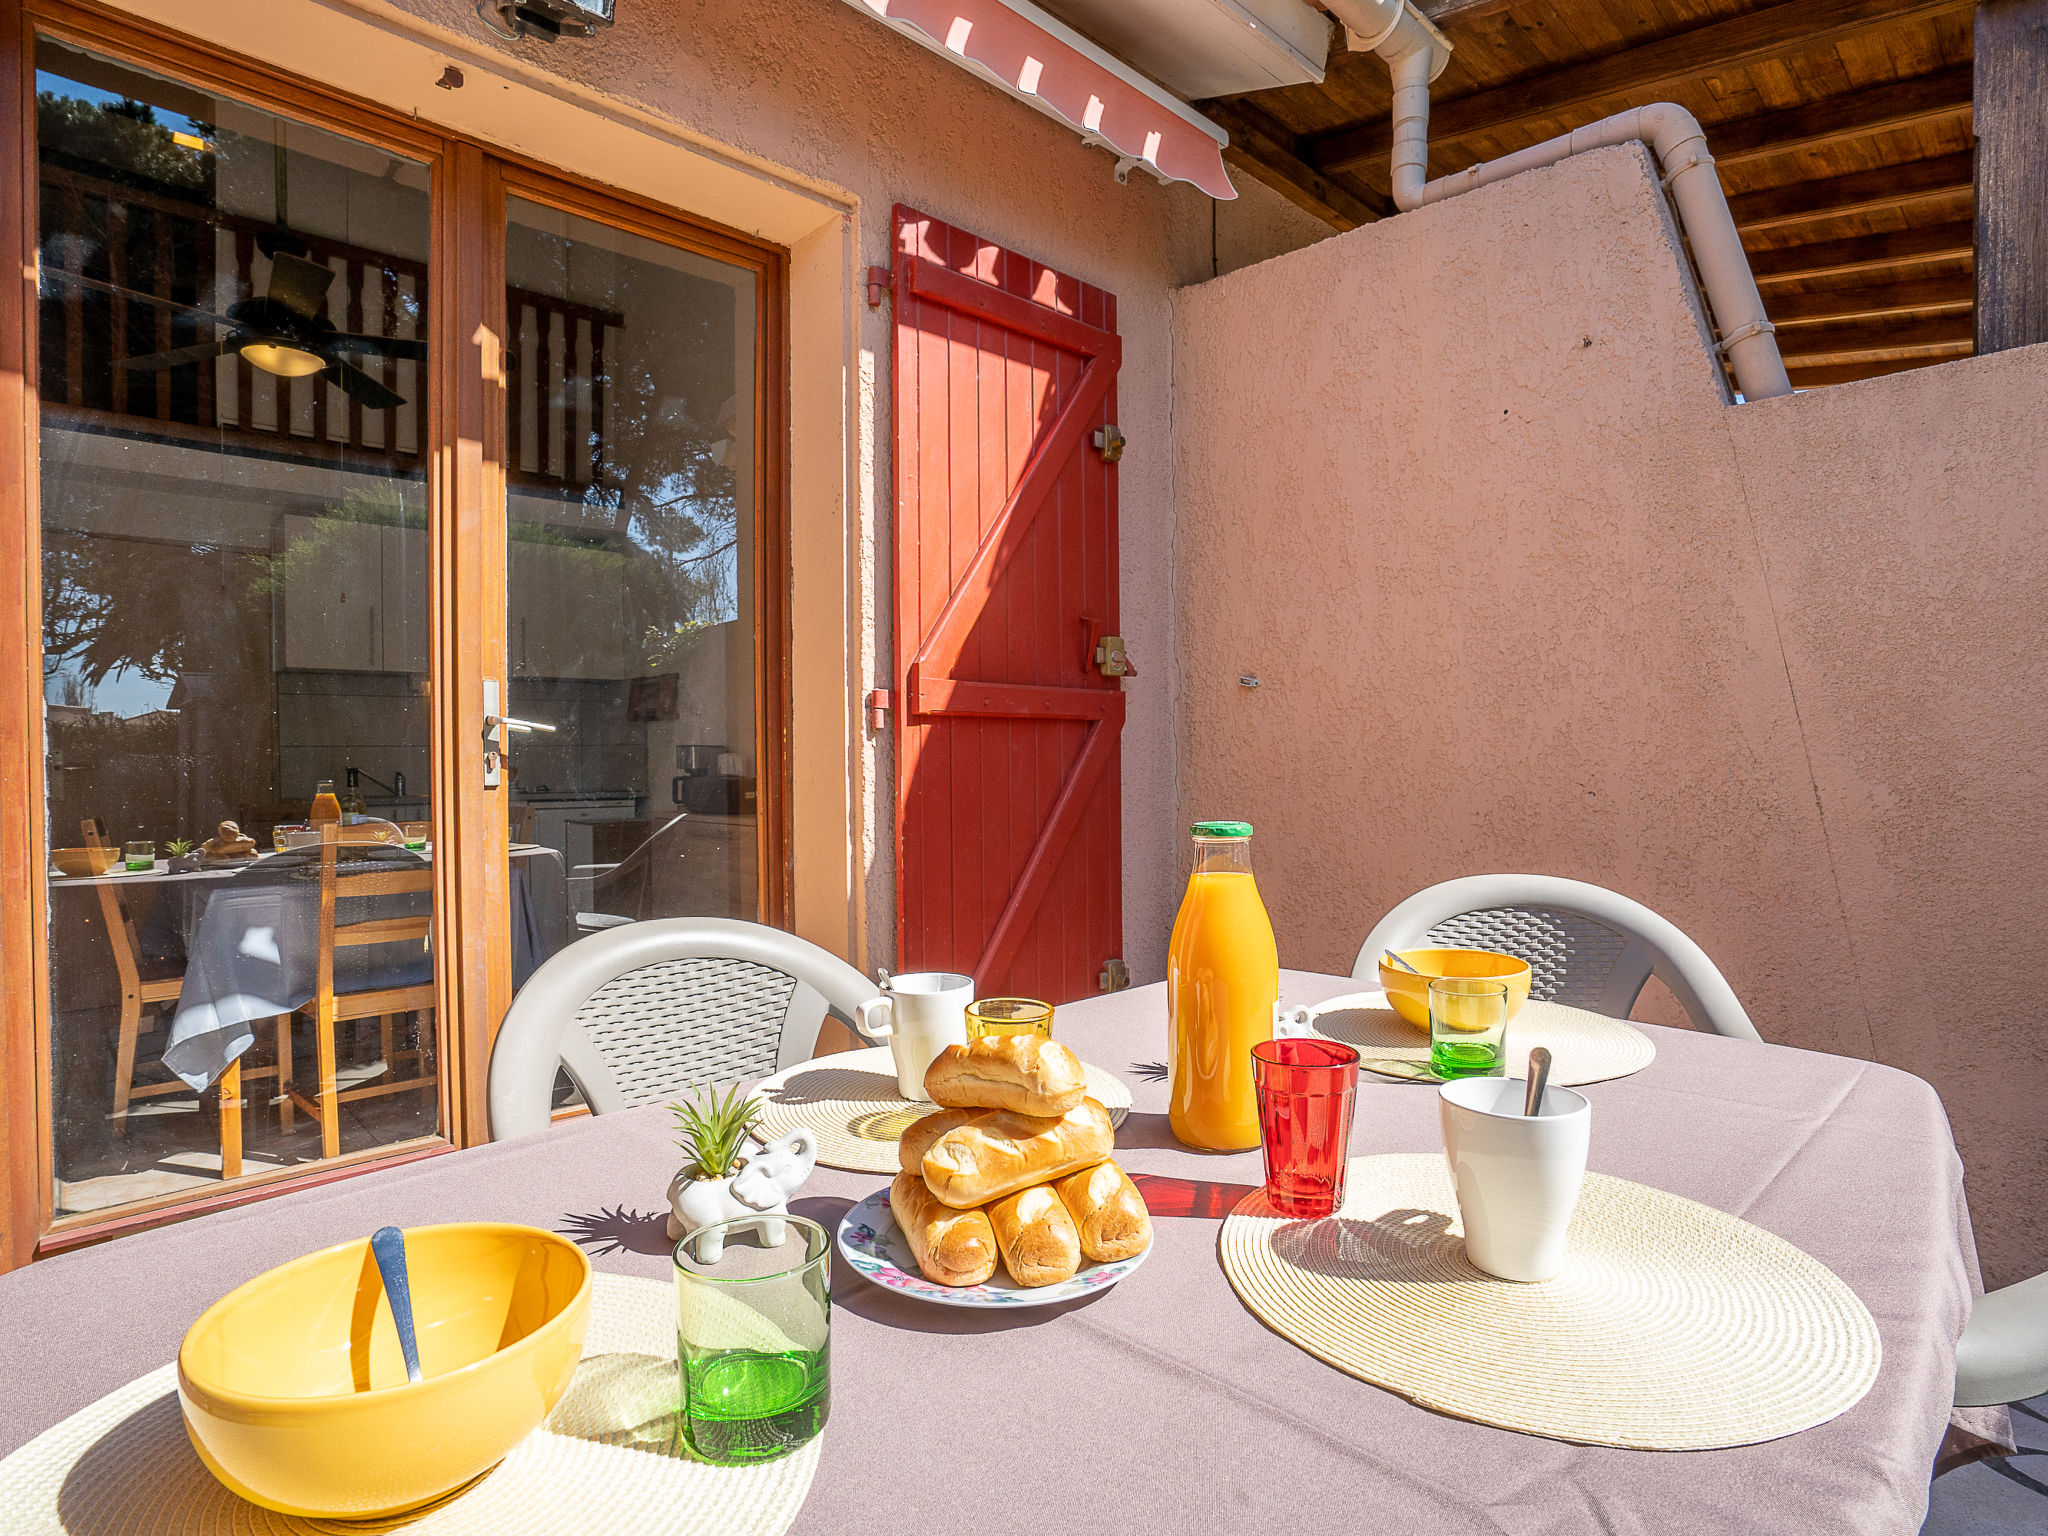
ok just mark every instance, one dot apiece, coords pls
pixel 1220 829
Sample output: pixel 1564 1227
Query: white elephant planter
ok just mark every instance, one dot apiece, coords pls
pixel 768 1176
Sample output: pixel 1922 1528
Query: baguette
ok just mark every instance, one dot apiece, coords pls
pixel 1021 1073
pixel 919 1135
pixel 1108 1211
pixel 1037 1237
pixel 999 1153
pixel 951 1247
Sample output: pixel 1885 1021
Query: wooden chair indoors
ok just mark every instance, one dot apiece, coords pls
pixel 139 992
pixel 380 1003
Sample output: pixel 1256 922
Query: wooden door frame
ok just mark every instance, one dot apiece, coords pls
pixel 466 586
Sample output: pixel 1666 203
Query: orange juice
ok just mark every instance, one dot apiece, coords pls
pixel 325 806
pixel 1222 980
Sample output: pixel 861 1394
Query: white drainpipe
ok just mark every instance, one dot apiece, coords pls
pixel 1416 54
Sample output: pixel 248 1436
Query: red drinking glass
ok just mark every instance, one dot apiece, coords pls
pixel 1306 1089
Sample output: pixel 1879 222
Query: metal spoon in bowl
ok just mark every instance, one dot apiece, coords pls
pixel 1404 965
pixel 1539 1074
pixel 387 1244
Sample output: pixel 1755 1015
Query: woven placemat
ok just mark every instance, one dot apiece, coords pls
pixel 610 1458
pixel 1584 1047
pixel 1674 1327
pixel 851 1101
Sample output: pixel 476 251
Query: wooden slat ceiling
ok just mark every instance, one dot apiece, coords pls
pixel 1840 128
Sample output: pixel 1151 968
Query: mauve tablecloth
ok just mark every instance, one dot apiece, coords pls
pixel 1162 1405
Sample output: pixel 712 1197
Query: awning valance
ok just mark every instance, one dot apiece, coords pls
pixel 1019 49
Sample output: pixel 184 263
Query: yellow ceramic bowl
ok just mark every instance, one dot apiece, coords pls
pixel 294 1390
pixel 84 861
pixel 1409 995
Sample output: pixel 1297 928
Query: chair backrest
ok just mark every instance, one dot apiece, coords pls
pixel 114 912
pixel 624 888
pixel 1587 946
pixel 396 873
pixel 637 1014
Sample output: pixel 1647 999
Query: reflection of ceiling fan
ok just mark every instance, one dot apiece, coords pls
pixel 286 332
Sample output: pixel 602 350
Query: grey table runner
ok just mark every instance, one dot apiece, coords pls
pixel 1162 1405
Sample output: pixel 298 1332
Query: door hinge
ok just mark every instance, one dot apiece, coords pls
pixel 881 281
pixel 880 701
pixel 1113 659
pixel 1109 441
pixel 1115 976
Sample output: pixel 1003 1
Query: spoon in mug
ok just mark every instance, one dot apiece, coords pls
pixel 387 1244
pixel 1539 1074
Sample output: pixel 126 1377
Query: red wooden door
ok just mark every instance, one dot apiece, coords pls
pixel 1008 758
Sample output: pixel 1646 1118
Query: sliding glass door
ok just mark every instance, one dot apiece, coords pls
pixel 273 842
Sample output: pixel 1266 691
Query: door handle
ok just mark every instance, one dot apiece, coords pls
pixel 497 728
pixel 494 723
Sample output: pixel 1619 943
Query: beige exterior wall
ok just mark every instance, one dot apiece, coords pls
pixel 1525 594
pixel 803 121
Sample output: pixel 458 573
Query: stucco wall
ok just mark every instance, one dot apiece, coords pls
pixel 1524 593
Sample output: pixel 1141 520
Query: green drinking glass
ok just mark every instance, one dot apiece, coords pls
pixel 1468 1026
pixel 754 1337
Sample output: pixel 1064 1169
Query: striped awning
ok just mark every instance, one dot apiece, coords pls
pixel 1018 48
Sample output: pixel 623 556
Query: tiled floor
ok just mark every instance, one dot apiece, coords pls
pixel 1998 1498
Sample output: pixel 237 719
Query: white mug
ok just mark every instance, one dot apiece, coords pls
pixel 920 1014
pixel 1517 1177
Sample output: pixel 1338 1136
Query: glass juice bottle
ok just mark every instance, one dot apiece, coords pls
pixel 354 808
pixel 1222 980
pixel 325 806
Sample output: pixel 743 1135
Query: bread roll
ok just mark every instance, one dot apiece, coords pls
pixel 951 1247
pixel 1023 1073
pixel 1036 1236
pixel 919 1135
pixel 999 1153
pixel 1109 1212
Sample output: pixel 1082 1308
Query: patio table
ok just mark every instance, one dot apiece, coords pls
pixel 1162 1405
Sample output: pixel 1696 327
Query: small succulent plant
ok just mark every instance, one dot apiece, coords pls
pixel 714 1129
pixel 178 847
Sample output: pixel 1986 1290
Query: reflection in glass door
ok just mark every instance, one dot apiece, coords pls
pixel 232 324
pixel 632 514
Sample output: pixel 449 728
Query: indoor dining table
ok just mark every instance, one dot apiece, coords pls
pixel 1161 1404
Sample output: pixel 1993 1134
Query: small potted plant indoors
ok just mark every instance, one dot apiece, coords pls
pixel 184 855
pixel 731 1172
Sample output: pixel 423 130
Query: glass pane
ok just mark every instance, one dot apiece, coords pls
pixel 234 396
pixel 630 483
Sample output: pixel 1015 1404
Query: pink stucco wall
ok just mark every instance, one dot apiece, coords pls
pixel 1524 593
pixel 817 88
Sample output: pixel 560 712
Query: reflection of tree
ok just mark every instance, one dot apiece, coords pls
pixel 124 141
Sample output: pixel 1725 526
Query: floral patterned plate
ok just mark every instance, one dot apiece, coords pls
pixel 871 1243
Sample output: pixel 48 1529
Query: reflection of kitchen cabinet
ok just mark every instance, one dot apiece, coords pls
pixel 355 596
pixel 404 623
pixel 569 612
pixel 333 594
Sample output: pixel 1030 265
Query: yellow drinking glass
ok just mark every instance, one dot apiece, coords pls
pixel 1009 1016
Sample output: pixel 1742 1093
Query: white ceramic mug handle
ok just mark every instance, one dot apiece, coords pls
pixel 886 1007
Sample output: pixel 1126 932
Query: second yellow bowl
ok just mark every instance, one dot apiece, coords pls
pixel 294 1391
pixel 1409 995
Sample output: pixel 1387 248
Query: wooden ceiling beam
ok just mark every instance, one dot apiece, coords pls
pixel 1914 295
pixel 1841 119
pixel 1262 148
pixel 1639 73
pixel 1863 253
pixel 1870 368
pixel 1841 343
pixel 1890 186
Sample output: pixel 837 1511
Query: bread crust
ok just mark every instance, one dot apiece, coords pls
pixel 1108 1212
pixel 951 1247
pixel 1026 1074
pixel 919 1135
pixel 1039 1243
pixel 999 1153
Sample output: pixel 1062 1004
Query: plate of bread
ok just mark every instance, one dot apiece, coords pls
pixel 1007 1195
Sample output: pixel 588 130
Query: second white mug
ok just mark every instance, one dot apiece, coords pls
pixel 1517 1177
pixel 920 1014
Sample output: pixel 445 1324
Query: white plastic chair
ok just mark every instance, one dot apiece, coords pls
pixel 1589 947
pixel 638 1013
pixel 2002 1356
